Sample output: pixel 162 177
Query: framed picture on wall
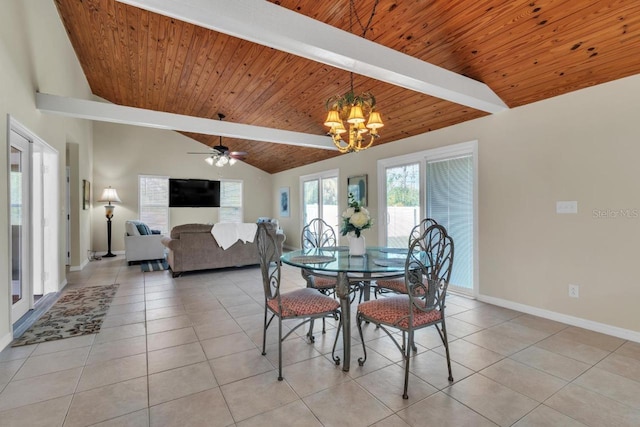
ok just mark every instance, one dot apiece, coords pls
pixel 284 202
pixel 86 194
pixel 357 185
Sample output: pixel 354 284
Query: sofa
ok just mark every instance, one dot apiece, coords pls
pixel 192 247
pixel 141 243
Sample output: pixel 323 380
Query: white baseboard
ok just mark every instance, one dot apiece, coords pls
pixel 603 328
pixel 79 267
pixel 86 261
pixel 6 340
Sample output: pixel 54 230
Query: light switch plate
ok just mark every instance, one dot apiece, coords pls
pixel 567 207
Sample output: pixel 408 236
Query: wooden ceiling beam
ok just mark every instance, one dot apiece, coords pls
pixel 106 112
pixel 282 29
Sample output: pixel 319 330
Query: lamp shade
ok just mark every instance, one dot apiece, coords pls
pixel 375 121
pixel 109 195
pixel 355 114
pixel 333 119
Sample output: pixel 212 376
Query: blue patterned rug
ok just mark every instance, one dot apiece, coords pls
pixel 154 265
pixel 77 312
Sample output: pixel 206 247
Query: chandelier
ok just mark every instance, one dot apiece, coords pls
pixel 354 109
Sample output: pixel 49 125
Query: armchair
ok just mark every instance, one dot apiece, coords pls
pixel 139 246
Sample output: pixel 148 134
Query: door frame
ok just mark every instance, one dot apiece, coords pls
pixel 20 309
pixel 440 153
pixel 49 218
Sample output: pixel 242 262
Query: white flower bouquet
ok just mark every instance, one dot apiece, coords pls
pixel 355 218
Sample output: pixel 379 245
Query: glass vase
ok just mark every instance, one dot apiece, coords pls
pixel 357 246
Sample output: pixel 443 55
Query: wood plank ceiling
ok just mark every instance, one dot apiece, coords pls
pixel 526 51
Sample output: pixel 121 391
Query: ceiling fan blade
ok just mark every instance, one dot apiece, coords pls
pixel 199 152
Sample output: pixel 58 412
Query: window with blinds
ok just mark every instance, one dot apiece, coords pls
pixel 230 201
pixel 450 202
pixel 153 202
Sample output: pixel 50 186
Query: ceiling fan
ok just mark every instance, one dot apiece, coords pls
pixel 220 155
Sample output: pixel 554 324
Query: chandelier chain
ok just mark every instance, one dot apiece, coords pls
pixel 354 12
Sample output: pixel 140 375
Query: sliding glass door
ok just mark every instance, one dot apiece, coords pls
pixel 34 219
pixel 320 198
pixel 20 248
pixel 402 191
pixel 449 185
pixel 438 184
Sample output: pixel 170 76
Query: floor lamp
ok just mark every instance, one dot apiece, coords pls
pixel 109 195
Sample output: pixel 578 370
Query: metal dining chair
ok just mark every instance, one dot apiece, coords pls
pixel 318 234
pixel 315 235
pixel 397 284
pixel 422 305
pixel 303 304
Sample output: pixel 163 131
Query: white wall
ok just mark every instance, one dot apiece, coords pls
pixel 123 152
pixel 35 54
pixel 581 146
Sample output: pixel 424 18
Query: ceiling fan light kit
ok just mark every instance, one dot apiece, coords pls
pixel 220 155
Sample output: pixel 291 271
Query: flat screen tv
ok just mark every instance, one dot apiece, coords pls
pixel 194 193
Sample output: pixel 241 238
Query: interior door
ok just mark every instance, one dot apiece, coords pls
pixel 19 167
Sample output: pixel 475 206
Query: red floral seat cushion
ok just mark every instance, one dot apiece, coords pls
pixel 324 282
pixel 397 285
pixel 395 311
pixel 303 302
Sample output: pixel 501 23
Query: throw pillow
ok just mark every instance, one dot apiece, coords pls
pixel 155 232
pixel 131 228
pixel 143 229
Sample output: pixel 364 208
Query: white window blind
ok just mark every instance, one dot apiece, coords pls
pixel 153 202
pixel 230 201
pixel 450 202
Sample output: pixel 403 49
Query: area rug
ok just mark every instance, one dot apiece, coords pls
pixel 77 312
pixel 154 265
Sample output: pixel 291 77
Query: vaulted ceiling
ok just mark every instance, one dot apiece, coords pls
pixel 525 51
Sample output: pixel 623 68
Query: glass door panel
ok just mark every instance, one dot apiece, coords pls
pixel 402 203
pixel 19 201
pixel 320 198
pixel 329 202
pixel 450 202
pixel 310 201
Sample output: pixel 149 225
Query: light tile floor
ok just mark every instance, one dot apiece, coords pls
pixel 186 352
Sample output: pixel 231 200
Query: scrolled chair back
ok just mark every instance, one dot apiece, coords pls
pixel 420 228
pixel 317 234
pixel 270 264
pixel 428 268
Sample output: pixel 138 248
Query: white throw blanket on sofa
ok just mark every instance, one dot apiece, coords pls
pixel 227 233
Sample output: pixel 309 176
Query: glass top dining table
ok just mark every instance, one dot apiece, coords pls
pixel 376 262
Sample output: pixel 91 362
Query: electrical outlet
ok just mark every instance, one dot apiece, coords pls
pixel 574 291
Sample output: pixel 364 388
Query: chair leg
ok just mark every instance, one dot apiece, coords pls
pixel 312 339
pixel 445 341
pixel 407 357
pixel 264 332
pixel 335 358
pixel 361 360
pixel 279 348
